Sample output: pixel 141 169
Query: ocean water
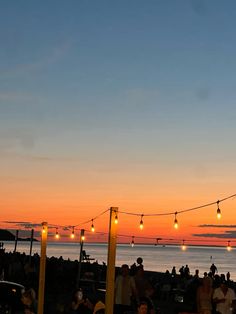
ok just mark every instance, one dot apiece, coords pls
pixel 155 258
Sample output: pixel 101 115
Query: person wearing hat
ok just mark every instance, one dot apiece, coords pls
pixel 224 298
pixel 99 308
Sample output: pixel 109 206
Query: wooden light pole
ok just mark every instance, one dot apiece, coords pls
pixel 111 260
pixel 42 269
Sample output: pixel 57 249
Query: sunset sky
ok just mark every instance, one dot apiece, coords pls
pixel 128 104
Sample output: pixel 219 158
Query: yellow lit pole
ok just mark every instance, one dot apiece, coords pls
pixel 111 259
pixel 44 236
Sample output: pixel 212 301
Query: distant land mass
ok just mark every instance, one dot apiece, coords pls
pixel 6 235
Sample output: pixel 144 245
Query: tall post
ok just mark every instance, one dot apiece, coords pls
pixel 31 242
pixel 42 269
pixel 111 259
pixel 16 240
pixel 80 257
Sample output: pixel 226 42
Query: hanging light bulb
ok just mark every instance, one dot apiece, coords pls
pixel 218 210
pixel 116 219
pixel 141 223
pixel 73 233
pixel 176 221
pixel 183 246
pixel 132 242
pixel 82 236
pixel 43 230
pixel 57 234
pixel 92 227
pixel 229 248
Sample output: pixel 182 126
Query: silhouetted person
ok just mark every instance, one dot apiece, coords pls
pixel 213 269
pixel 125 290
pixel 173 272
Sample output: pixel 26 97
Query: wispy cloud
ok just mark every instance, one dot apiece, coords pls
pixel 23 224
pixel 225 235
pixel 216 226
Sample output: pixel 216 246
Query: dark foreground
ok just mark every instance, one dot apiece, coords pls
pixel 171 294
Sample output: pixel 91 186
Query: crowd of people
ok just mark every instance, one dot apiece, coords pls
pixel 136 290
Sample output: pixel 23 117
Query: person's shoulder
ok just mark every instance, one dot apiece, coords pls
pixel 216 290
pixel 232 291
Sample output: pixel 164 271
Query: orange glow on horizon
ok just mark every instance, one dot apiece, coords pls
pixel 202 221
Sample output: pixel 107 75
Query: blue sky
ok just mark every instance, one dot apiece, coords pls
pixel 143 91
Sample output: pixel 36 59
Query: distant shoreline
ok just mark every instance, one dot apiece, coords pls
pixel 121 243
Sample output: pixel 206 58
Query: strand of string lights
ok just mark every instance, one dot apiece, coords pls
pixel 167 241
pixel 74 227
pixel 176 212
pixel 91 220
pixel 179 211
pixel 159 240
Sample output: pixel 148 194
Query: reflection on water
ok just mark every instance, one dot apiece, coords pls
pixel 156 258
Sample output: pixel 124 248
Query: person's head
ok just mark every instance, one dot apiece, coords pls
pixel 223 286
pixel 78 295
pixel 124 270
pixel 99 308
pixel 28 297
pixel 139 260
pixel 143 308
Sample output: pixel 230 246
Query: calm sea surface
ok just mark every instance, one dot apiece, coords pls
pixel 156 258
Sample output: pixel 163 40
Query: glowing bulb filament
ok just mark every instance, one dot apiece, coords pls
pixel 72 233
pixel 132 243
pixel 141 223
pixel 176 221
pixel 116 219
pixel 229 246
pixel 57 234
pixel 92 227
pixel 218 213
